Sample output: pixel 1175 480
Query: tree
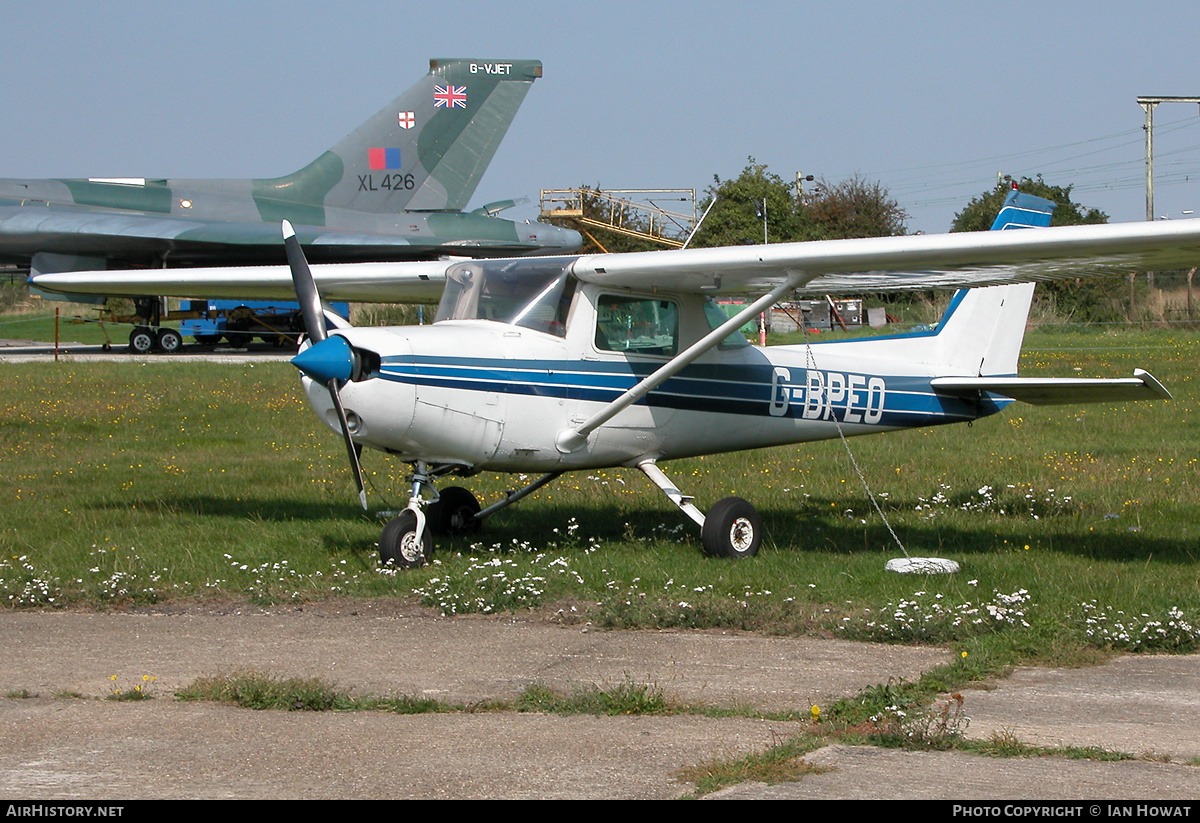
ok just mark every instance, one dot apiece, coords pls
pixel 1087 299
pixel 855 208
pixel 851 208
pixel 736 218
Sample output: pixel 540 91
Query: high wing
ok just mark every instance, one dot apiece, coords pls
pixel 914 262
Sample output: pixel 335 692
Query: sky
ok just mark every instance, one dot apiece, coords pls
pixel 932 99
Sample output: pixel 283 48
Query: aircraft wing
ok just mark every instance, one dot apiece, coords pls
pixel 408 282
pixel 875 264
pixel 1057 391
pixel 912 262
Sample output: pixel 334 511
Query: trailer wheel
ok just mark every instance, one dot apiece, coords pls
pixel 169 341
pixel 141 340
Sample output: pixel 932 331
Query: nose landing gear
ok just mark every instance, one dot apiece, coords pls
pixel 407 539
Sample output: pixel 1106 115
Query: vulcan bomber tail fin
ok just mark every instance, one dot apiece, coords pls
pixel 425 151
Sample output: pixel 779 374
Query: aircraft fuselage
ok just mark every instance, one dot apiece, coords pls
pixel 502 407
pixel 193 222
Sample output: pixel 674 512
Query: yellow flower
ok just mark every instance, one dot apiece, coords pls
pixel 964 655
pixel 816 713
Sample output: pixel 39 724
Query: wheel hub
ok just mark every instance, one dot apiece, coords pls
pixel 741 534
pixel 410 549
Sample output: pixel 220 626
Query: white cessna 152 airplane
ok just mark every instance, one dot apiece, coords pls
pixel 566 363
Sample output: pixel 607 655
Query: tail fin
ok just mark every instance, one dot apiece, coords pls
pixel 1024 211
pixel 980 338
pixel 426 150
pixel 982 330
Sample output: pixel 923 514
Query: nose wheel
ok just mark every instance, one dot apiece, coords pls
pixel 403 545
pixel 407 539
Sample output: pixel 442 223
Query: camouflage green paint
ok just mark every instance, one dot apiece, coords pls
pixel 459 226
pixel 392 189
pixel 300 196
pixel 154 196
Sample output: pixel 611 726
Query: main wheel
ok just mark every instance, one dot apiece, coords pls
pixel 398 544
pixel 169 341
pixel 454 512
pixel 732 528
pixel 141 340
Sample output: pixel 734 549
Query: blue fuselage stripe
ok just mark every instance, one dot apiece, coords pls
pixel 900 401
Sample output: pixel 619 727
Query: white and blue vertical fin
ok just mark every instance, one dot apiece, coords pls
pixel 982 330
pixel 1024 211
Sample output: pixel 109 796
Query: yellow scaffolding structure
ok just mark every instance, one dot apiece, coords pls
pixel 632 212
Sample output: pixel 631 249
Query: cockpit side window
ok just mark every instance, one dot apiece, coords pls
pixel 637 325
pixel 716 316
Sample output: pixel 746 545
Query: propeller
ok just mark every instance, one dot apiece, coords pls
pixel 330 359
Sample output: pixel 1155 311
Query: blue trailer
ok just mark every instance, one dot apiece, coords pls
pixel 241 321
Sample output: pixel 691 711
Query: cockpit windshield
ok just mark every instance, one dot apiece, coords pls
pixel 534 293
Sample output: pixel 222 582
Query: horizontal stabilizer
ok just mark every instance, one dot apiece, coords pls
pixel 1053 391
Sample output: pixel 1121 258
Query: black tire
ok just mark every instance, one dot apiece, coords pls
pixel 454 512
pixel 169 341
pixel 398 546
pixel 141 340
pixel 237 325
pixel 732 528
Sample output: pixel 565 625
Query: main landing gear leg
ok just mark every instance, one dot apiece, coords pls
pixel 512 496
pixel 732 528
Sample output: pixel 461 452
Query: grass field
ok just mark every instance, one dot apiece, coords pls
pixel 77 323
pixel 1077 528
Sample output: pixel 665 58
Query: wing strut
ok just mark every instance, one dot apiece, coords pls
pixel 572 440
